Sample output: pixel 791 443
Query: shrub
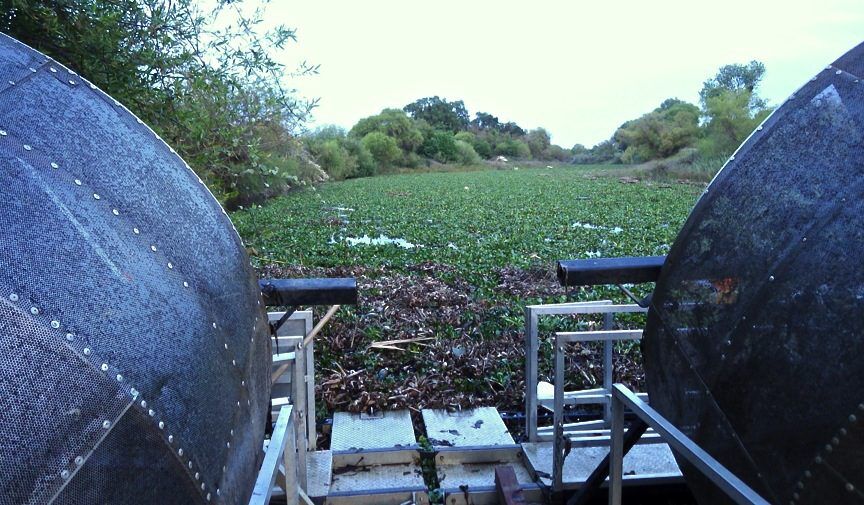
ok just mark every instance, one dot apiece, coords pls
pixel 440 146
pixel 335 159
pixel 513 148
pixel 557 153
pixel 187 74
pixel 465 154
pixel 384 149
pixel 482 147
pixel 395 124
pixel 365 165
pixel 413 160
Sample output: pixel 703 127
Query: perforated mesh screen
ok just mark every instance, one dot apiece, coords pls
pixel 123 282
pixel 755 335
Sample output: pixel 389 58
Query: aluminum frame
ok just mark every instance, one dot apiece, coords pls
pixel 726 481
pixel 282 450
pixel 299 321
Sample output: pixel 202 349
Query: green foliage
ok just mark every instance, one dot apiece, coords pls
pixel 342 157
pixel 488 224
pixel 209 87
pixel 335 160
pixel 424 132
pixel 465 154
pixel 440 146
pixel 478 142
pixel 538 141
pixel 395 124
pixel 439 113
pixel 556 153
pixel 468 137
pixel 736 78
pixel 731 107
pixel 482 147
pixel 485 121
pixel 660 133
pixel 384 149
pixel 512 148
pixel 365 162
pixel 730 121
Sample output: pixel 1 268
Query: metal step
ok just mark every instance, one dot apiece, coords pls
pixel 467 475
pixel 644 464
pixel 390 476
pixel 319 472
pixel 470 444
pixel 385 476
pixel 385 430
pixel 466 428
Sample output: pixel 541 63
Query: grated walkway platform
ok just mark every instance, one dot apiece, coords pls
pixel 384 430
pixel 375 460
pixel 474 427
pixel 644 463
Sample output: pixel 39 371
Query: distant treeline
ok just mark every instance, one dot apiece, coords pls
pixel 433 129
pixel 208 83
pixel 729 109
pixel 425 132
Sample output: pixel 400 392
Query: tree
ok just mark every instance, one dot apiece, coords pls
pixel 660 133
pixel 485 121
pixel 465 154
pixel 440 146
pixel 210 88
pixel 731 107
pixel 512 148
pixel 605 152
pixel 395 124
pixel 439 113
pixel 730 121
pixel 538 142
pixel 511 128
pixel 384 149
pixel 736 77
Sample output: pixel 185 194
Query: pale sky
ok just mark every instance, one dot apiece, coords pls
pixel 579 69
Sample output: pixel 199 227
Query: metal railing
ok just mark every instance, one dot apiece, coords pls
pixel 598 396
pixel 282 450
pixel 293 405
pixel 623 399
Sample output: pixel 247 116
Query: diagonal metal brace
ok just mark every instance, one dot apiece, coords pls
pixel 598 476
